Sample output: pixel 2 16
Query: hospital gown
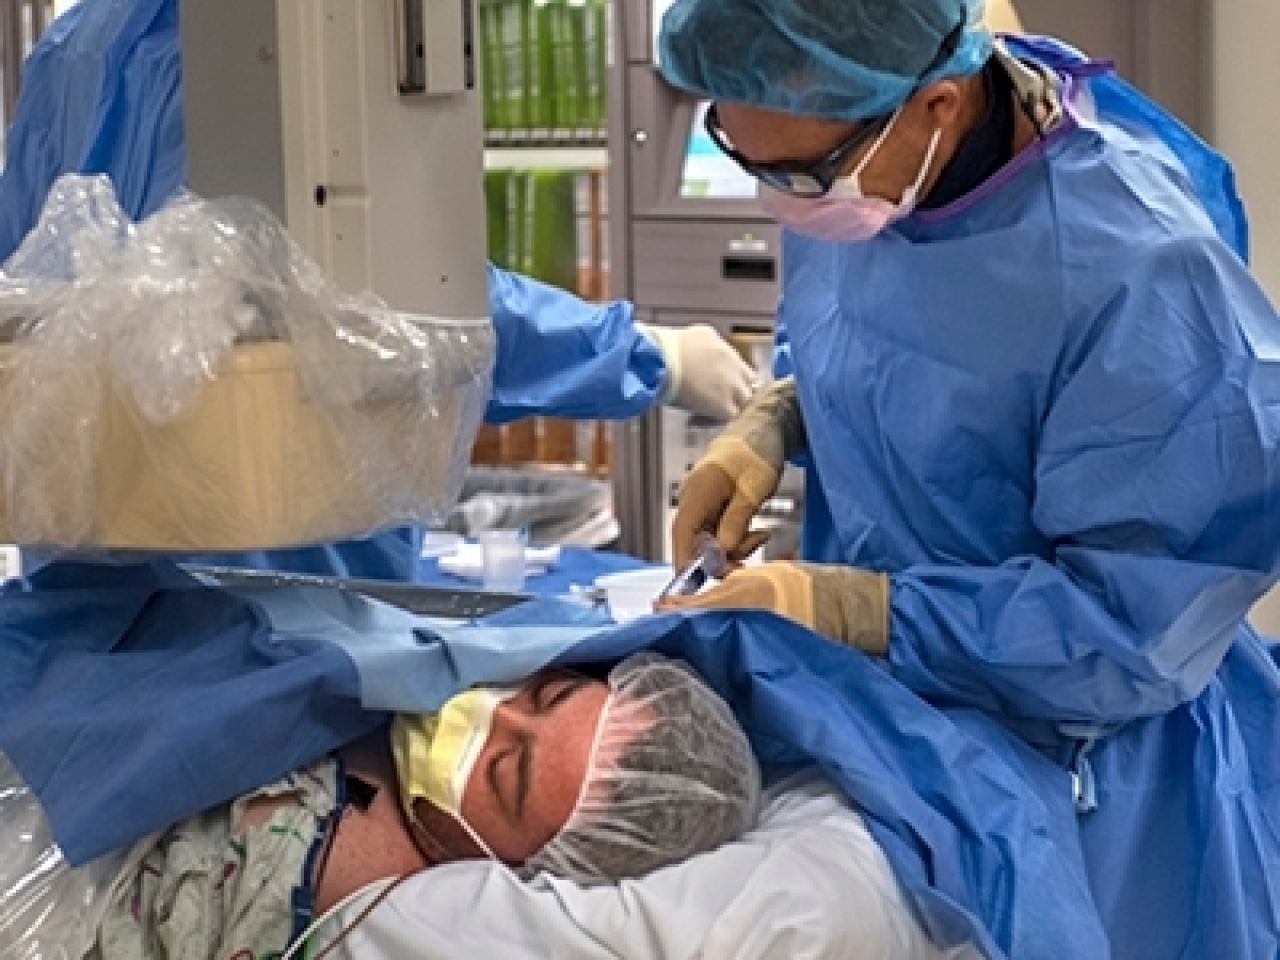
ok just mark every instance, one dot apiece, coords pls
pixel 218 885
pixel 1051 412
pixel 102 93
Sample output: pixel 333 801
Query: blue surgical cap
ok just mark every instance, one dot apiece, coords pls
pixel 838 59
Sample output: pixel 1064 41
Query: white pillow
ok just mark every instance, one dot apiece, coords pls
pixel 808 882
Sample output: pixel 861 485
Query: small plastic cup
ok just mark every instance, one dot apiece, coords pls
pixel 503 553
pixel 631 594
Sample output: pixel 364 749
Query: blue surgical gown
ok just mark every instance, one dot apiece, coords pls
pixel 102 93
pixel 1050 411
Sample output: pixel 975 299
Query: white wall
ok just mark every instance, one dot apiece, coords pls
pixel 1246 122
pixel 1246 127
pixel 60 6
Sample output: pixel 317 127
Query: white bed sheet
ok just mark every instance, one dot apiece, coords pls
pixel 808 882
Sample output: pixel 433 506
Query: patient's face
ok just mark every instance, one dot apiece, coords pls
pixel 530 772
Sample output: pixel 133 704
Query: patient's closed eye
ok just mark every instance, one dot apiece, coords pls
pixel 510 769
pixel 555 691
pixel 504 779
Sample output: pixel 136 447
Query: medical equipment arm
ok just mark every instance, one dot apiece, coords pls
pixel 1162 508
pixel 740 471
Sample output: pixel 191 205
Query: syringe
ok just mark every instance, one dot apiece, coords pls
pixel 709 563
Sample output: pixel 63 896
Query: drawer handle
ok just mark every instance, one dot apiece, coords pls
pixel 750 268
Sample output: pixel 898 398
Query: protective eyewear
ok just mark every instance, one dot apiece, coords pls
pixel 813 179
pixel 808 179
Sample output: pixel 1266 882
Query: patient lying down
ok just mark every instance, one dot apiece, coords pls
pixel 586 779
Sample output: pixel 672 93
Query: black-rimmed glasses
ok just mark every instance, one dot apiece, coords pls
pixel 815 178
pixel 809 179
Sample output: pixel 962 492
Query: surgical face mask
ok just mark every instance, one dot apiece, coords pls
pixel 845 214
pixel 435 754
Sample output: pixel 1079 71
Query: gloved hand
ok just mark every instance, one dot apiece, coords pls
pixel 739 472
pixel 844 603
pixel 705 375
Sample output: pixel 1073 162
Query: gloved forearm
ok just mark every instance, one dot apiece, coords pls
pixel 850 605
pixel 562 356
pixel 845 604
pixel 739 472
pixel 772 426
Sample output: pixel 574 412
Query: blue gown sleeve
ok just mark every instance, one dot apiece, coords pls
pixel 1158 489
pixel 560 356
pixel 101 94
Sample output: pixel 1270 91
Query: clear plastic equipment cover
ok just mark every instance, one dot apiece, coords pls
pixel 48 911
pixel 193 382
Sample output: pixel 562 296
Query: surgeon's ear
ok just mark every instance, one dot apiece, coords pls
pixel 941 103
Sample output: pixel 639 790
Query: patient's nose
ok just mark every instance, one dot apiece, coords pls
pixel 510 717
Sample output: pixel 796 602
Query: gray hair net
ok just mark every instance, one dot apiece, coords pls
pixel 671 775
pixel 837 59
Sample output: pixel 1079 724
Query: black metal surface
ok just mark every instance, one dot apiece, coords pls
pixel 457 603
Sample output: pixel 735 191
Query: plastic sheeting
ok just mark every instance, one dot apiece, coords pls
pixel 48 910
pixel 102 93
pixel 194 382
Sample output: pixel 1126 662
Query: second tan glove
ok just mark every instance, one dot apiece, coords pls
pixel 847 604
pixel 739 472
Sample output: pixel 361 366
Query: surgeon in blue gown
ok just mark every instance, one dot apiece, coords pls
pixel 1037 393
pixel 102 93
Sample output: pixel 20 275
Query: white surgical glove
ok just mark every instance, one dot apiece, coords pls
pixel 705 375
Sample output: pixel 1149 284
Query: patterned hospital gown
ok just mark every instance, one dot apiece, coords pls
pixel 211 888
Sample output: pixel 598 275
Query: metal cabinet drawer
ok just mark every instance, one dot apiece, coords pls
pixel 718 267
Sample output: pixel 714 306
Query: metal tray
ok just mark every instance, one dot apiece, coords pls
pixel 458 603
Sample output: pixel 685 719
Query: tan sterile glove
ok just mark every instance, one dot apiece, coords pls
pixel 705 375
pixel 844 603
pixel 739 472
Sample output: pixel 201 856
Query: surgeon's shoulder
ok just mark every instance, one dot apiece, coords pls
pixel 1173 279
pixel 1116 193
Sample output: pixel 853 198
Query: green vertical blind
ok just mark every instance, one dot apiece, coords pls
pixel 533 223
pixel 544 65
